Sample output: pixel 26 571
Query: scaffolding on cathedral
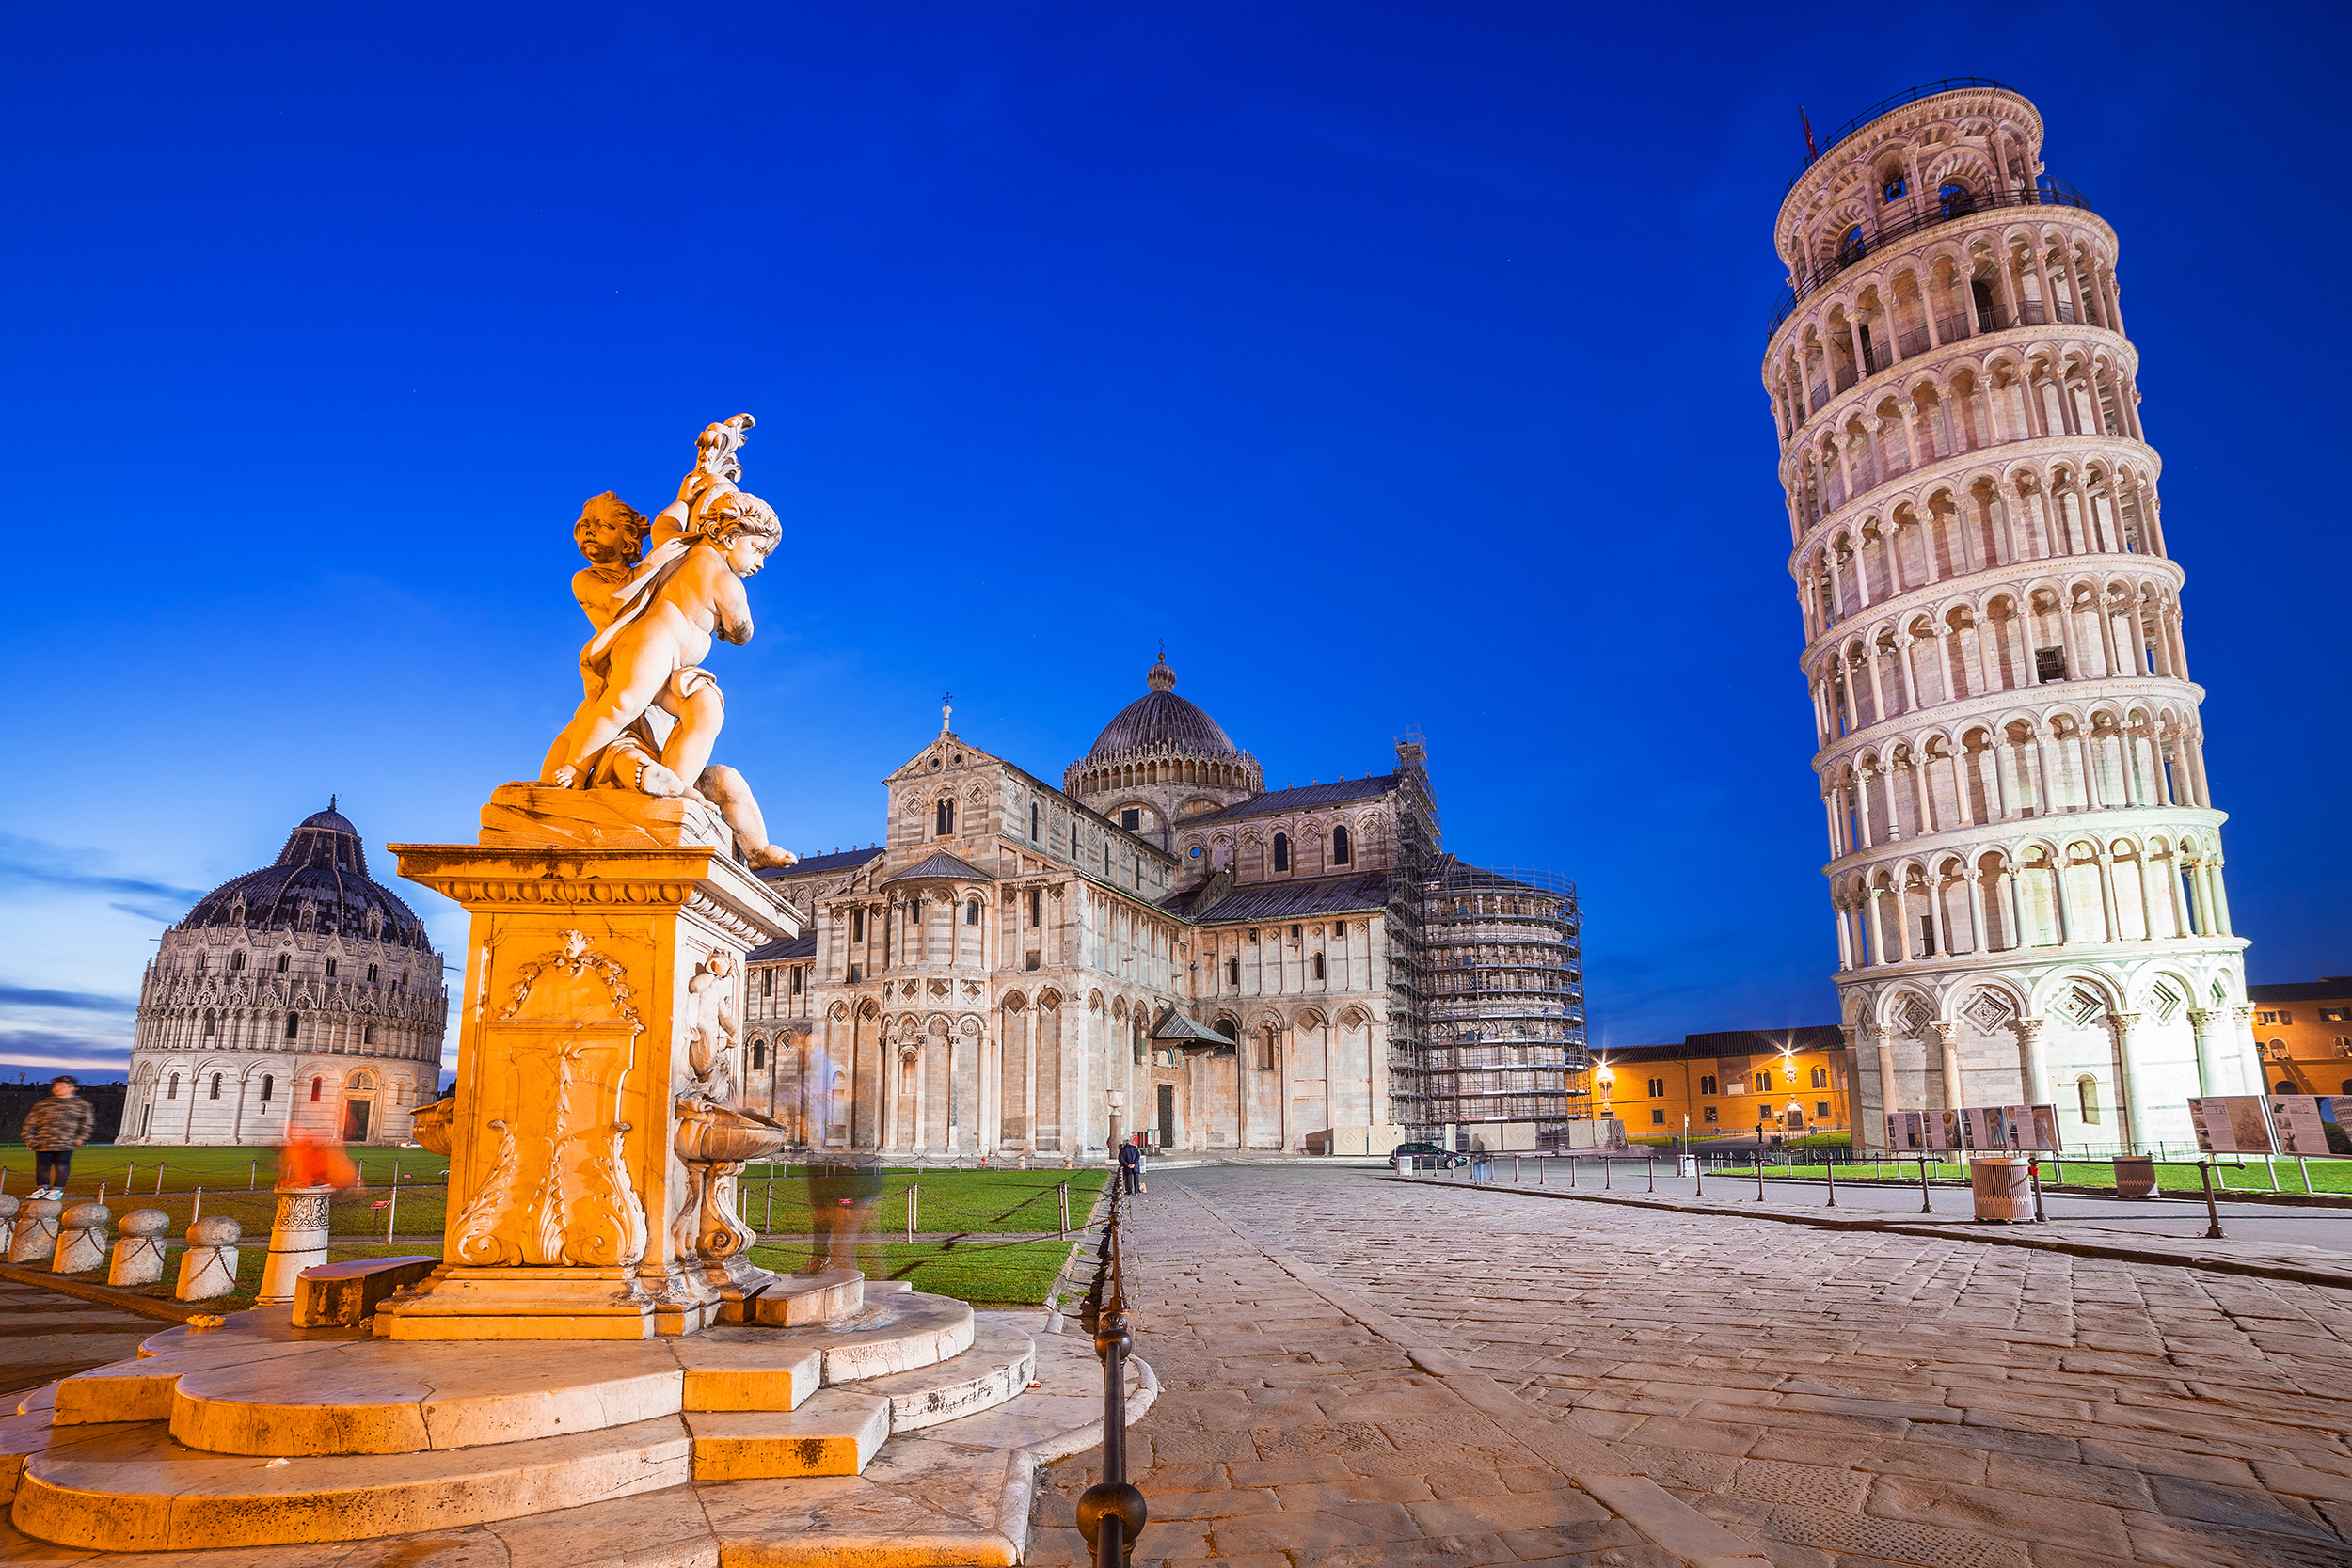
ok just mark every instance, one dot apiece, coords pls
pixel 1499 1054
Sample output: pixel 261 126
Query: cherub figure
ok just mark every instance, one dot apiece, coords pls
pixel 710 1028
pixel 654 621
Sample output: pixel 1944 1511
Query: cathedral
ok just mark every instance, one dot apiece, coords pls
pixel 1161 946
pixel 303 994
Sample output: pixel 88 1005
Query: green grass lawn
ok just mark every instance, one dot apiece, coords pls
pixel 213 1169
pixel 980 1272
pixel 2326 1175
pixel 978 1203
pixel 981 1202
pixel 775 1198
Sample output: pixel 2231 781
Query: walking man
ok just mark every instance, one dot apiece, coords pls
pixel 53 1129
pixel 1131 1164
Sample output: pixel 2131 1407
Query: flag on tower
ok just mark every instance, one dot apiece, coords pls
pixel 1809 153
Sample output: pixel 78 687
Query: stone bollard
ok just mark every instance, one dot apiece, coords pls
pixel 296 1240
pixel 82 1239
pixel 209 1267
pixel 36 1230
pixel 138 1258
pixel 8 1222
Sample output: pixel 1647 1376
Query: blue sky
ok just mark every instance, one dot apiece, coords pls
pixel 1397 365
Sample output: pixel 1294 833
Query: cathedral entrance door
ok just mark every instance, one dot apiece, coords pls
pixel 355 1121
pixel 1168 1116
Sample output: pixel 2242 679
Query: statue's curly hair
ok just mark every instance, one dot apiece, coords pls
pixel 611 505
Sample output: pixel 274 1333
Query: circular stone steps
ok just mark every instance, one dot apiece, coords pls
pixel 997 1366
pixel 412 1396
pixel 138 1491
pixel 855 1474
pixel 834 1434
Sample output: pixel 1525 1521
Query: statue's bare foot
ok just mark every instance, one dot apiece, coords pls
pixel 771 858
pixel 560 777
pixel 657 781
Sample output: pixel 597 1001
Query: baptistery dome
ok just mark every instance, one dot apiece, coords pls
pixel 318 882
pixel 254 999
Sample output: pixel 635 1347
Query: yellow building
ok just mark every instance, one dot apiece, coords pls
pixel 1730 1083
pixel 2304 1034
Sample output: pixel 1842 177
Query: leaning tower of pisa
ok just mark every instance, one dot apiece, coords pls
pixel 2024 857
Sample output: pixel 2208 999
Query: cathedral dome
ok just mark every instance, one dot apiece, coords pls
pixel 319 883
pixel 1161 720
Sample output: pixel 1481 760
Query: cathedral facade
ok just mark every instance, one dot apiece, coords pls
pixel 301 995
pixel 1159 945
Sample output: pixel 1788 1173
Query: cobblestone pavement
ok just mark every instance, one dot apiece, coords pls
pixel 1838 1399
pixel 45 1335
pixel 1287 1432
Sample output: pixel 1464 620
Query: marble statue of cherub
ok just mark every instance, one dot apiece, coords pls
pixel 710 1028
pixel 655 620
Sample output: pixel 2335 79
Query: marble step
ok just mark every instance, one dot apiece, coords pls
pixel 956 1493
pixel 896 1333
pixel 833 1433
pixel 797 1299
pixel 136 1490
pixel 250 1387
pixel 400 1396
pixel 997 1366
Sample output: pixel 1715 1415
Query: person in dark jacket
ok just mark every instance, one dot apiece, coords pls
pixel 1131 1166
pixel 53 1129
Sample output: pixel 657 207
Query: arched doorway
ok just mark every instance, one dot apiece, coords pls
pixel 358 1106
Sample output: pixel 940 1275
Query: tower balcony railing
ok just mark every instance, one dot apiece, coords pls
pixel 1949 209
pixel 1909 95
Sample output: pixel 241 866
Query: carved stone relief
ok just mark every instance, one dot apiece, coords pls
pixel 555 1059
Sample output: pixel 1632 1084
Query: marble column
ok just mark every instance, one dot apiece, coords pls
pixel 2035 1059
pixel 1947 1036
pixel 2127 1087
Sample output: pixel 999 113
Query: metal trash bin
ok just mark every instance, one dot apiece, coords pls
pixel 2135 1176
pixel 1687 1165
pixel 2002 1186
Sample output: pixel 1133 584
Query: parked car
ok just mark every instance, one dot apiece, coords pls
pixel 1425 1157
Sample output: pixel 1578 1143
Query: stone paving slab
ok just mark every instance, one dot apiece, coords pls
pixel 2252 1258
pixel 46 1335
pixel 1858 1396
pixel 1295 1425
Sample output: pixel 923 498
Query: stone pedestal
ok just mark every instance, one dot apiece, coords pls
pixel 35 1234
pixel 81 1239
pixel 603 981
pixel 139 1257
pixel 209 1268
pixel 297 1239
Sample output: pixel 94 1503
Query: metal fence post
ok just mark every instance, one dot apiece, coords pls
pixel 1925 1206
pixel 1111 1512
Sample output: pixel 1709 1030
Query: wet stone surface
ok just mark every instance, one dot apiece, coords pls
pixel 1839 1401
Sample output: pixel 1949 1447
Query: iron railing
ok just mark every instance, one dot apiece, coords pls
pixel 1111 1512
pixel 1938 213
pixel 1909 95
